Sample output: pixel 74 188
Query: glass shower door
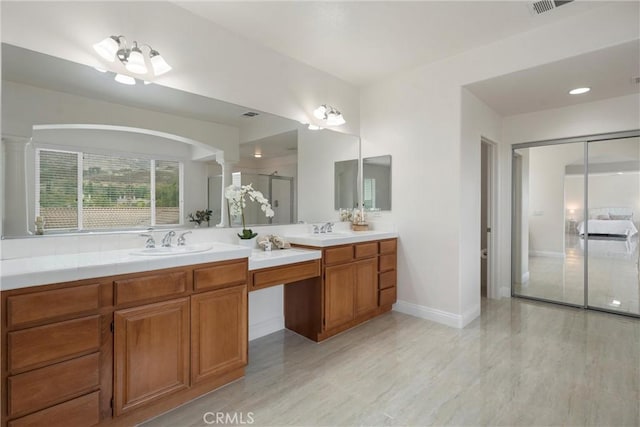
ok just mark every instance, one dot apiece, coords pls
pixel 548 206
pixel 614 216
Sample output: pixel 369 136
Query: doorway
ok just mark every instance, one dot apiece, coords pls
pixel 488 180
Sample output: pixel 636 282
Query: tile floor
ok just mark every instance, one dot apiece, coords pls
pixel 521 363
pixel 613 275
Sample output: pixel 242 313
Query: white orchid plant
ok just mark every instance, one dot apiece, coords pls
pixel 237 199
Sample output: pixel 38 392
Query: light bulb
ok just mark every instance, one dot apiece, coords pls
pixel 125 80
pixel 320 112
pixel 135 61
pixel 107 48
pixel 579 91
pixel 335 119
pixel 158 63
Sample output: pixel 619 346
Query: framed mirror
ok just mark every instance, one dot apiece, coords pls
pixel 376 183
pixel 54 104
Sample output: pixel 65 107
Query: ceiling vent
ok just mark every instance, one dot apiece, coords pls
pixel 543 6
pixel 251 114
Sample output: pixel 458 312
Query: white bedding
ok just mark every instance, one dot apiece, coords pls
pixel 609 226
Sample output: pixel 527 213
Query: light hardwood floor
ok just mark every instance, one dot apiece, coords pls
pixel 521 364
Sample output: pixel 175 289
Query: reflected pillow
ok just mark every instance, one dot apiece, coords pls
pixel 604 217
pixel 621 217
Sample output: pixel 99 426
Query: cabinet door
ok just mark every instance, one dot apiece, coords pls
pixel 151 353
pixel 219 332
pixel 339 295
pixel 366 285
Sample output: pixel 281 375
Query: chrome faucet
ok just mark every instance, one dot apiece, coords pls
pixel 166 240
pixel 182 240
pixel 326 228
pixel 150 243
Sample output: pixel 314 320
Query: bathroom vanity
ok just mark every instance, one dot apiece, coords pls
pixel 80 347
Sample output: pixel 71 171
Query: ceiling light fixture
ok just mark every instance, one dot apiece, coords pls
pixel 579 90
pixel 133 59
pixel 125 80
pixel 331 115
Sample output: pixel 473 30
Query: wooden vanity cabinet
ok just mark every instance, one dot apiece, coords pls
pixel 151 353
pixel 53 369
pixel 119 350
pixel 358 283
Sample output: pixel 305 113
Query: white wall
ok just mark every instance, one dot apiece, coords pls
pixel 206 59
pixel 417 117
pixel 317 153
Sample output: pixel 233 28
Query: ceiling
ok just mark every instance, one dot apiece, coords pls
pixel 362 42
pixel 608 72
pixel 273 146
pixel 48 72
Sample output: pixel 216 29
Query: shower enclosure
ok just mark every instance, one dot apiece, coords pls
pixel 575 221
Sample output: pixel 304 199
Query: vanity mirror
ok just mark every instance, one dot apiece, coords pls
pixel 376 183
pixel 53 104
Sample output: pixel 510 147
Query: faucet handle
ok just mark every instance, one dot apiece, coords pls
pixel 328 227
pixel 182 240
pixel 316 229
pixel 150 243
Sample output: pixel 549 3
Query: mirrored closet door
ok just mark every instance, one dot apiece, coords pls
pixel 576 215
pixel 614 216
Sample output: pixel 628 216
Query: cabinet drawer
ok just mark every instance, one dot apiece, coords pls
pixel 38 389
pixel 81 412
pixel 387 262
pixel 387 296
pixel 388 279
pixel 388 246
pixel 366 250
pixel 150 287
pixel 35 347
pixel 285 274
pixel 54 304
pixel 338 255
pixel 221 275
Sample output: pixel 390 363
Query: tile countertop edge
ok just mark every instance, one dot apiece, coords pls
pixel 260 259
pixel 326 240
pixel 24 272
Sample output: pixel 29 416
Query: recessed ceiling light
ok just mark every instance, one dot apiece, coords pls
pixel 257 155
pixel 579 90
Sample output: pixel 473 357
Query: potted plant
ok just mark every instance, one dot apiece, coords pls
pixel 200 217
pixel 236 196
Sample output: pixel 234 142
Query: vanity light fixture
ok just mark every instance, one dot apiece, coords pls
pixel 133 59
pixel 331 115
pixel 579 90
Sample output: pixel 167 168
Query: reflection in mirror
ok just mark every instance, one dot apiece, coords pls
pixel 346 184
pixel 376 183
pixel 212 139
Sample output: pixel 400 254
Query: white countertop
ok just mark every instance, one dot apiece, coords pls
pixel 42 270
pixel 265 259
pixel 323 240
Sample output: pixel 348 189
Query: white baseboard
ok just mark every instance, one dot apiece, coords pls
pixel 439 316
pixel 505 292
pixel 266 327
pixel 547 254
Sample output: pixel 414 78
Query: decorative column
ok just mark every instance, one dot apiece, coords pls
pixel 227 168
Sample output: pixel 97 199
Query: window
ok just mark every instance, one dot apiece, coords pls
pixel 86 191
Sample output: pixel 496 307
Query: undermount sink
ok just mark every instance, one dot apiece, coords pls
pixel 173 250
